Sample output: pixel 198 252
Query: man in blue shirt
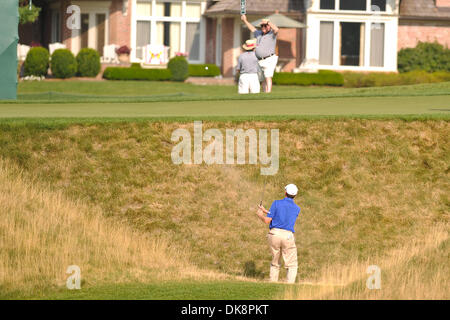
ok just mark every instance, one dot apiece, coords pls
pixel 281 219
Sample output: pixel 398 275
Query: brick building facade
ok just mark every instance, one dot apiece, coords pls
pixel 210 31
pixel 425 21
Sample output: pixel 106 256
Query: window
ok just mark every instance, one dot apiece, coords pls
pixel 84 30
pixel 142 37
pixel 327 4
pixel 173 23
pixel 193 10
pixel 193 40
pixel 100 19
pixel 357 5
pixel 378 5
pixel 144 8
pixel 326 43
pixel 168 9
pixel 56 26
pixel 377 45
pixel 169 34
pixel 352 44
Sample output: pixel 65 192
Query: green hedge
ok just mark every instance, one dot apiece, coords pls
pixel 117 73
pixel 204 70
pixel 88 62
pixel 322 78
pixel 37 62
pixel 358 80
pixel 179 68
pixel 430 57
pixel 63 64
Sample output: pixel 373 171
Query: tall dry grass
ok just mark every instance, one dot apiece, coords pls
pixel 42 233
pixel 418 270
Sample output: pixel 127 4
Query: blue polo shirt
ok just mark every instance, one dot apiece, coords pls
pixel 283 213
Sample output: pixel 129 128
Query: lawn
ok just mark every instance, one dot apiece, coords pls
pixel 170 290
pixel 122 99
pixel 141 91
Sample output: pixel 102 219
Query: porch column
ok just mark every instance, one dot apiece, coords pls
pixel 227 46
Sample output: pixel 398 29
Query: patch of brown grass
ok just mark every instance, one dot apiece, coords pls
pixel 42 233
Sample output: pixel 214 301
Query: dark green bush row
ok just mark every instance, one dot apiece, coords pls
pixel 430 57
pixel 134 73
pixel 358 80
pixel 322 78
pixel 37 62
pixel 203 70
pixel 63 63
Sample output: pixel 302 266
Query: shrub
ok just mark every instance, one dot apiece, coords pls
pixel 203 70
pixel 322 78
pixel 358 80
pixel 430 57
pixel 117 73
pixel 37 62
pixel 135 65
pixel 88 61
pixel 179 68
pixel 63 64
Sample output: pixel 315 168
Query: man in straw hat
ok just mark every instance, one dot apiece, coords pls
pixel 266 41
pixel 281 219
pixel 248 69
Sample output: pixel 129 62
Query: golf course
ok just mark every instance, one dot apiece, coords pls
pixel 87 179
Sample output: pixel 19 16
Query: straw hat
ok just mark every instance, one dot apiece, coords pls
pixel 249 44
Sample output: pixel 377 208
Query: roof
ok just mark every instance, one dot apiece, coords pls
pixel 281 21
pixel 423 9
pixel 256 6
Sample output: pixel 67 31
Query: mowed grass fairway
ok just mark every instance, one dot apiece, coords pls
pixel 92 183
pixel 158 100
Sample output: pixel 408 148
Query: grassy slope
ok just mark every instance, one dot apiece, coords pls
pixel 367 186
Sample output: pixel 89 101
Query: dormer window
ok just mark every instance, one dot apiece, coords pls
pixel 381 4
pixel 354 5
pixel 327 4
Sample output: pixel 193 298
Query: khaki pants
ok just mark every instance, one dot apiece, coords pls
pixel 282 244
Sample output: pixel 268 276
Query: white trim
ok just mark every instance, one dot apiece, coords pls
pixel 203 34
pixel 133 31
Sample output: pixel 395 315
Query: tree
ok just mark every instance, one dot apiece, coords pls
pixel 28 14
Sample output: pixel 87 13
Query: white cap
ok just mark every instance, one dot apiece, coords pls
pixel 291 189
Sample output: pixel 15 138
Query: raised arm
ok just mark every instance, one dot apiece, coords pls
pixel 273 27
pixel 248 24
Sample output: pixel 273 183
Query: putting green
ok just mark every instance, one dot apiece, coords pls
pixel 331 106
